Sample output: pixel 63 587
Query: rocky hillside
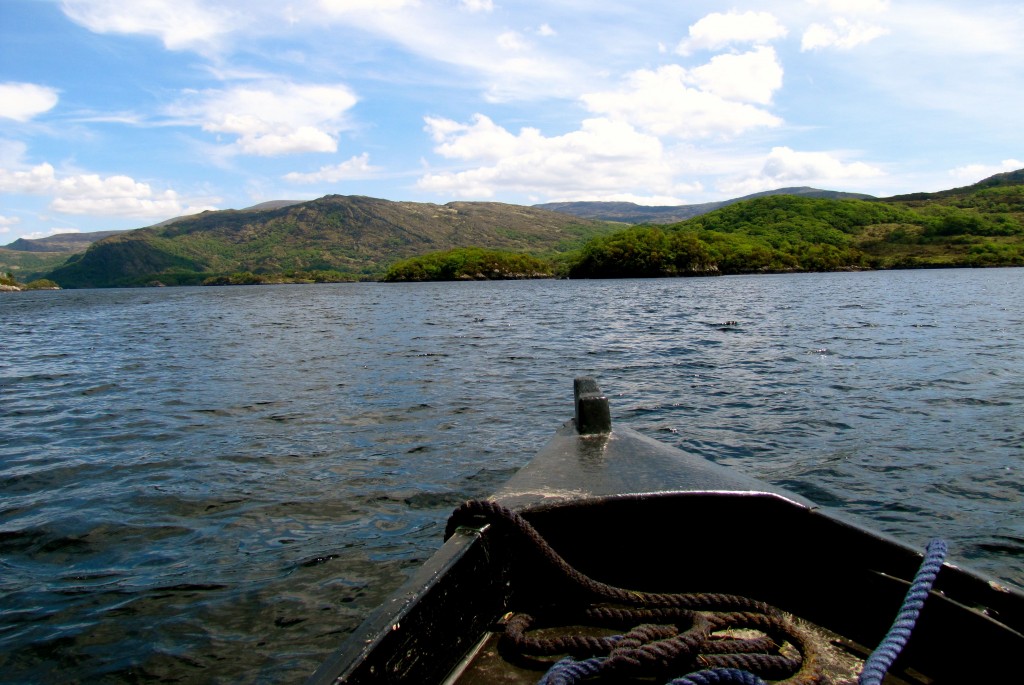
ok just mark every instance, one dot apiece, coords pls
pixel 354 235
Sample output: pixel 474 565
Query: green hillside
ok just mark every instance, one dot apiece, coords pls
pixel 981 225
pixel 28 259
pixel 351 236
pixel 28 265
pixel 470 264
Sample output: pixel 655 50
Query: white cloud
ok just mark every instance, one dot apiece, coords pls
pixel 664 102
pixel 6 222
pixel 750 77
pixel 115 196
pixel 34 181
pixel 719 30
pixel 842 34
pixel 354 168
pixel 23 101
pixel 602 159
pixel 546 31
pixel 274 118
pixel 93 194
pixel 972 173
pixel 786 167
pixel 270 144
pixel 786 164
pixel 483 140
pixel 180 24
pixel 478 5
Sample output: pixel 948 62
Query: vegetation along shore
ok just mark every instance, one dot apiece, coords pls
pixel 347 238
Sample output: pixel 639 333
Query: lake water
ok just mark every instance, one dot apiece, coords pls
pixel 218 484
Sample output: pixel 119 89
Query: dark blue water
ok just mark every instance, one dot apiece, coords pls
pixel 217 484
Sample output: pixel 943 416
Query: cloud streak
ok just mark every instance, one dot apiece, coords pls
pixel 179 24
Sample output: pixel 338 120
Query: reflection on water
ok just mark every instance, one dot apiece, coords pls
pixel 218 484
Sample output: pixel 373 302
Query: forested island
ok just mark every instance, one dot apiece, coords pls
pixel 346 238
pixel 471 264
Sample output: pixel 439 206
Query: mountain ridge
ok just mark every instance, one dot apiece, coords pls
pixel 632 213
pixel 356 237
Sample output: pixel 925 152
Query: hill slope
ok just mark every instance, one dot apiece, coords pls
pixel 630 213
pixel 1003 180
pixel 980 225
pixel 60 242
pixel 353 235
pixel 28 259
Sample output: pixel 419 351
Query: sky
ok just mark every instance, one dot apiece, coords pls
pixel 117 115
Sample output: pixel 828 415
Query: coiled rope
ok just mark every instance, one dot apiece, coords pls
pixel 672 634
pixel 677 630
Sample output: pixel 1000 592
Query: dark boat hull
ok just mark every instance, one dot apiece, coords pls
pixel 634 513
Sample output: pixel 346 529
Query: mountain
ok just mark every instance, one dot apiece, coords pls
pixel 1003 180
pixel 354 235
pixel 61 242
pixel 360 237
pixel 274 204
pixel 631 213
pixel 77 242
pixel 263 206
pixel 29 259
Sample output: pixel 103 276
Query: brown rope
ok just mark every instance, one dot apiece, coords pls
pixel 667 634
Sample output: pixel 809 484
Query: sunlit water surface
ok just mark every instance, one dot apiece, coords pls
pixel 218 484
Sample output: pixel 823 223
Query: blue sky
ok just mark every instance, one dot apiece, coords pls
pixel 121 114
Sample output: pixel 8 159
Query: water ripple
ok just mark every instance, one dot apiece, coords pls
pixel 218 484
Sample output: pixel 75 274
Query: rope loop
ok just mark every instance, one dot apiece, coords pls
pixel 719 676
pixel 671 633
pixel 664 634
pixel 568 671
